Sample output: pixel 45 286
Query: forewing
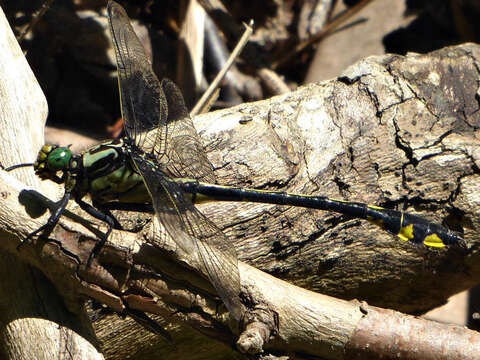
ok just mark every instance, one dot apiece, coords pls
pixel 194 234
pixel 185 154
pixel 155 115
pixel 161 126
pixel 143 103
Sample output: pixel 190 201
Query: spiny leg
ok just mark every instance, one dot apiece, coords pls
pixel 47 228
pixel 110 220
pixel 104 208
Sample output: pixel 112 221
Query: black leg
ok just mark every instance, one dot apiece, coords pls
pixel 52 220
pixel 110 220
pixel 149 324
pixel 106 210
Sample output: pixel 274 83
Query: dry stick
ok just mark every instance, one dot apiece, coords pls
pixel 31 309
pixel 304 316
pixel 211 89
pixel 307 323
pixel 272 81
pixel 46 5
pixel 334 25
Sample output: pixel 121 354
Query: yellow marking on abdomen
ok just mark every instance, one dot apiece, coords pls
pixel 406 233
pixel 374 207
pixel 434 241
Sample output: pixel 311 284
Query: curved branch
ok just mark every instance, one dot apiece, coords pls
pixel 30 305
pixel 396 131
pixel 283 318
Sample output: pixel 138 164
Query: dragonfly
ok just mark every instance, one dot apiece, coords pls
pixel 160 166
pixel 161 144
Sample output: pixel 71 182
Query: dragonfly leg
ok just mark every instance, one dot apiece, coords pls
pixel 110 220
pixel 47 228
pixel 149 324
pixel 106 210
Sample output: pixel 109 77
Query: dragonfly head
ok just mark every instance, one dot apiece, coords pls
pixel 50 160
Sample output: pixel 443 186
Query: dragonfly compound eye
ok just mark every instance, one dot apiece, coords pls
pixel 59 159
pixel 51 159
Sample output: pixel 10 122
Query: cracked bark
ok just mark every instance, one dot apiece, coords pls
pixel 391 130
pixel 35 322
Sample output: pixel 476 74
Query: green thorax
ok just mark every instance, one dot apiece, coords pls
pixel 109 175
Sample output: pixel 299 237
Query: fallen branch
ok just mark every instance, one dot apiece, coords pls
pixel 130 274
pixel 386 132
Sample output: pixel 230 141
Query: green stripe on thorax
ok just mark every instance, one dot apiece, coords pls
pixel 109 175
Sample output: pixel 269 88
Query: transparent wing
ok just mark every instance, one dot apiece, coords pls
pixel 143 103
pixel 155 114
pixel 157 120
pixel 194 234
pixel 184 151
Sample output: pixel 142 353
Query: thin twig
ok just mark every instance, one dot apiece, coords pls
pixel 211 89
pixel 46 5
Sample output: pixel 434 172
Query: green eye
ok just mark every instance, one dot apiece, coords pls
pixel 59 159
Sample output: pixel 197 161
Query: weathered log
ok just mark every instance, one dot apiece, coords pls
pixel 396 131
pixel 35 322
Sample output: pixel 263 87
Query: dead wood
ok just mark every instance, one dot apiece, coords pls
pixel 35 322
pixel 396 131
pixel 282 318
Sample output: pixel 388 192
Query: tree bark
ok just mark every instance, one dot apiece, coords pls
pixel 396 131
pixel 282 318
pixel 35 322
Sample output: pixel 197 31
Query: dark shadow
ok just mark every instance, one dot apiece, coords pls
pixel 33 204
pixel 422 35
pixel 436 25
pixel 473 320
pixel 67 51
